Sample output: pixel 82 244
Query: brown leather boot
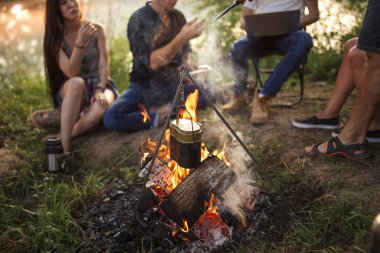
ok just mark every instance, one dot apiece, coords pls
pixel 260 109
pixel 236 103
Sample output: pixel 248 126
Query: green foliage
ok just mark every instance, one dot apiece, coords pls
pixel 356 5
pixel 130 173
pixel 120 61
pixel 323 66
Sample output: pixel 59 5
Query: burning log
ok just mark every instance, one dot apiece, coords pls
pixel 186 201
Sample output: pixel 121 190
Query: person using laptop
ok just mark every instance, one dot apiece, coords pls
pixel 295 46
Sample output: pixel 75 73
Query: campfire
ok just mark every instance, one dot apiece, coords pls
pixel 192 199
pixel 187 184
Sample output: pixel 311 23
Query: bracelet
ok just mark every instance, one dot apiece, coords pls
pixel 100 88
pixel 79 47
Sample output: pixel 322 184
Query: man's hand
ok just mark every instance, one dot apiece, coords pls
pixel 193 29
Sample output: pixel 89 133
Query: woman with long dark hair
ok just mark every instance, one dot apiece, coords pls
pixel 77 69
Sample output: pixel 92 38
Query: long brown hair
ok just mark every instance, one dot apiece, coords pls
pixel 52 43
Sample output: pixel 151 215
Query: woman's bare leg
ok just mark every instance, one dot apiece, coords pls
pixel 94 115
pixel 72 95
pixel 366 105
pixel 349 74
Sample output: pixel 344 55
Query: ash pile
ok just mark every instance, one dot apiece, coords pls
pixel 144 218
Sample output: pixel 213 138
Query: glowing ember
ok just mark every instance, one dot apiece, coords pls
pixel 210 226
pixel 160 177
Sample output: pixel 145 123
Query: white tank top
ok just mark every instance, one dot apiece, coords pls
pixel 268 6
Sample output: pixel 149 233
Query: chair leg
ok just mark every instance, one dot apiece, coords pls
pixel 301 73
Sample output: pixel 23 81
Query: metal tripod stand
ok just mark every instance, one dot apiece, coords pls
pixel 184 72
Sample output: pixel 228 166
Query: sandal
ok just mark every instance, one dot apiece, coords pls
pixel 335 147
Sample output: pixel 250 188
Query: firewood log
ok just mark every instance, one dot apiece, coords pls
pixel 187 200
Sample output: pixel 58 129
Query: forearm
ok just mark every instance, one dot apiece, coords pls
pixel 71 66
pixel 313 13
pixel 162 56
pixel 308 19
pixel 103 74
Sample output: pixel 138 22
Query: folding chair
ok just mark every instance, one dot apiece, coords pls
pixel 269 24
pixel 301 74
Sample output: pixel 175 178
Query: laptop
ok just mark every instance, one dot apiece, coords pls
pixel 271 24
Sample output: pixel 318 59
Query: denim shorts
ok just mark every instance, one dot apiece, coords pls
pixel 369 37
pixel 91 84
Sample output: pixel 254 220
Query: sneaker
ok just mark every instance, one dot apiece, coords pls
pixel 316 123
pixel 372 136
pixel 66 162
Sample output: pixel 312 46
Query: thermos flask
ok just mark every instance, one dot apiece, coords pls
pixel 53 152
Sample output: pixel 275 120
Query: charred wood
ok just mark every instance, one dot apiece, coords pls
pixel 187 200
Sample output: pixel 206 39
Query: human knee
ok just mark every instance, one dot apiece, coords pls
pixel 76 86
pixel 239 50
pixel 305 40
pixel 349 45
pixel 356 57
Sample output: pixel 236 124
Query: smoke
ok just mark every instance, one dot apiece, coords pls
pixel 242 193
pixel 207 50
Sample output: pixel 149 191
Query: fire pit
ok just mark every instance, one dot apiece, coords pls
pixel 192 199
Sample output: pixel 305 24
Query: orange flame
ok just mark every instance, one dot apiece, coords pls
pixel 185 227
pixel 179 173
pixel 191 107
pixel 204 152
pixel 143 158
pixel 210 204
pixel 221 154
pixel 143 112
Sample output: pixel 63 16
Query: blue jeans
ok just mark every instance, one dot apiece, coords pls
pixel 295 46
pixel 124 113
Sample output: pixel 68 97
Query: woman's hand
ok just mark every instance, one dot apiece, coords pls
pixel 101 99
pixel 86 30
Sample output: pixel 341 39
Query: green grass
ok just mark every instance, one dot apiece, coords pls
pixel 342 221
